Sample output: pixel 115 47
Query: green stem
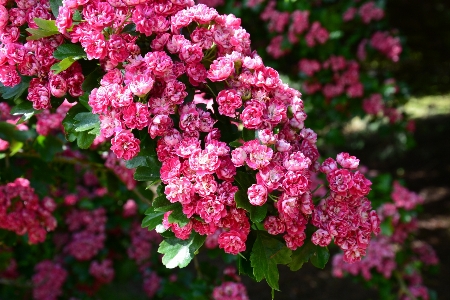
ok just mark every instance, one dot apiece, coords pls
pixel 403 288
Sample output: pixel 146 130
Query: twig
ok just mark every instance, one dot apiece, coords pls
pixel 15 283
pixel 403 288
pixel 197 268
pixel 141 197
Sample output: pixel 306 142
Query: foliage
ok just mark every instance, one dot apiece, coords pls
pixel 109 117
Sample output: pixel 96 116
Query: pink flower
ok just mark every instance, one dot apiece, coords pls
pixel 340 181
pixel 274 225
pixel 252 115
pixel 125 145
pixel 259 156
pixel 309 66
pixel 210 210
pixel 347 161
pixel 321 238
pixel 229 101
pixel 220 69
pixel 232 242
pixel 257 194
pixel 204 162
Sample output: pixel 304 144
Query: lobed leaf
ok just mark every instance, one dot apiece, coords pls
pixel 69 50
pixel 267 252
pixel 317 255
pixel 179 253
pixel 152 219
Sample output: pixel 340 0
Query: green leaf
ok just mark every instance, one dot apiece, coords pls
pixel 387 228
pixel 77 17
pixel 267 252
pixel 136 162
pixel 85 139
pixel 15 147
pixel 85 121
pixel 248 134
pixel 320 257
pixel 179 253
pixel 244 267
pixel 177 216
pixel 69 50
pixel 26 107
pixel 54 5
pixel 48 146
pixel 10 133
pixel 37 34
pixel 244 180
pixel 16 91
pixel 152 219
pixel 69 121
pixel 92 80
pixel 235 144
pixel 257 213
pixel 63 64
pixel 147 173
pixel 84 100
pixel 48 25
pixel 130 29
pixel 162 204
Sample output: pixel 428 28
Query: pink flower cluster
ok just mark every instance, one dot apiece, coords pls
pixel 48 280
pixel 87 233
pixel 374 105
pixel 297 22
pixel 48 122
pixel 5 116
pixel 142 242
pixel 368 12
pixel 346 214
pixel 22 212
pixel 403 198
pixel 35 57
pixel 102 271
pixel 381 254
pixel 231 288
pixel 345 74
pixel 386 44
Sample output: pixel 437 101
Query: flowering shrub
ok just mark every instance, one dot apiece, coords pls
pixel 128 94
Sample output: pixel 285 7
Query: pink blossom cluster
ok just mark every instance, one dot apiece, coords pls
pixel 198 169
pixel 151 284
pixel 231 288
pixel 23 213
pixel 140 249
pixel 102 271
pixel 48 122
pixel 346 214
pixel 368 12
pixel 142 241
pixel 296 22
pixel 386 44
pixel 403 198
pixel 345 74
pixel 374 105
pixel 381 254
pixel 87 233
pixel 48 280
pixel 35 57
